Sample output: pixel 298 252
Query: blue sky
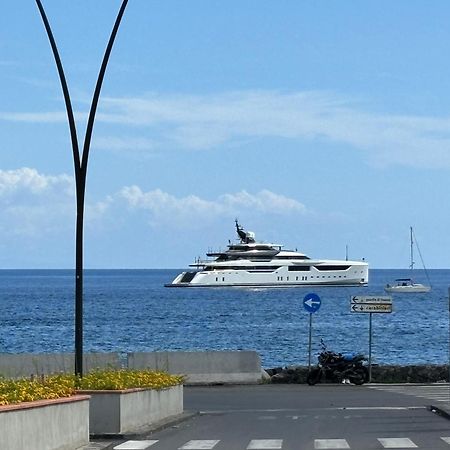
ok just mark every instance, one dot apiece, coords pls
pixel 318 124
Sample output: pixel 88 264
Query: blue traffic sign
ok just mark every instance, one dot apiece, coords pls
pixel 312 302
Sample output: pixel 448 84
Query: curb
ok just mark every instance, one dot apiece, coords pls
pixel 439 410
pixel 104 441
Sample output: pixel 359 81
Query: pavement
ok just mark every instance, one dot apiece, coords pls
pixel 209 403
pixel 107 442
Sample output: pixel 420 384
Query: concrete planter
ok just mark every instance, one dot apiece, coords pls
pixel 127 411
pixel 61 424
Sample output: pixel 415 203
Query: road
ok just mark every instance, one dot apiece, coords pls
pixel 300 417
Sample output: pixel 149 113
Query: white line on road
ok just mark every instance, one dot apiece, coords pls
pixel 199 444
pixel 265 444
pixel 397 443
pixel 135 445
pixel 330 443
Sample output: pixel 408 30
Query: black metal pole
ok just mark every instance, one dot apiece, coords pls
pixel 80 169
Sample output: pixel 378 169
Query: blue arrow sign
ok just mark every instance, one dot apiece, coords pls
pixel 312 302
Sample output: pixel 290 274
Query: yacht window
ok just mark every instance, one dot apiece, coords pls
pixel 291 257
pixel 245 268
pixel 299 268
pixel 331 267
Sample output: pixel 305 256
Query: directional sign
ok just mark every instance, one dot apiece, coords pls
pixel 371 307
pixel 370 304
pixel 371 299
pixel 312 302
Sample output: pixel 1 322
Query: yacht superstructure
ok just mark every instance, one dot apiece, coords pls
pixel 249 263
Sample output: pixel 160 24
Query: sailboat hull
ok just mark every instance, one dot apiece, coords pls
pixel 413 288
pixel 407 285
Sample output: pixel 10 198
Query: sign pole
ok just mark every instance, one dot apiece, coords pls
pixel 449 341
pixel 370 347
pixel 310 342
pixel 375 304
pixel 311 303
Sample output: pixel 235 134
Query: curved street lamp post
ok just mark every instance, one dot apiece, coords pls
pixel 80 165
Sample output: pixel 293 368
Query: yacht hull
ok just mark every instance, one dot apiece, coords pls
pixel 355 275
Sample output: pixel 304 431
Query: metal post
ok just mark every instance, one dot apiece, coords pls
pixel 370 347
pixel 449 341
pixel 80 165
pixel 310 342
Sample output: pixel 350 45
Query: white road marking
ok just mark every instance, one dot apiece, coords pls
pixel 397 443
pixel 330 443
pixel 436 392
pixel 200 444
pixel 265 444
pixel 135 445
pixel 446 439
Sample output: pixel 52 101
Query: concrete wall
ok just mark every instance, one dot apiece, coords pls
pixel 207 367
pixel 27 364
pixel 204 367
pixel 48 424
pixel 119 412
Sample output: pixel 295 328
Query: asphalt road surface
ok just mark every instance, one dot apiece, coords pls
pixel 300 417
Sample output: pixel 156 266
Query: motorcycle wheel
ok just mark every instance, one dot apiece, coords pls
pixel 366 374
pixel 360 376
pixel 314 376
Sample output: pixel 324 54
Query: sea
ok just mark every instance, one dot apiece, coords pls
pixel 131 310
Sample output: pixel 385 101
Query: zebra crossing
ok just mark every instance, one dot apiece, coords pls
pixel 277 444
pixel 435 392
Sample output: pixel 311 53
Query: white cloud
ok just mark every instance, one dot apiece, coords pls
pixel 14 182
pixel 203 122
pixel 35 204
pixel 165 208
pixel 131 144
pixel 38 117
pixel 208 121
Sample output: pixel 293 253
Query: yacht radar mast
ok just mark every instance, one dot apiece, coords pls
pixel 247 237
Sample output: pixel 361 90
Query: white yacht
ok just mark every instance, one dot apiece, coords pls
pixel 249 263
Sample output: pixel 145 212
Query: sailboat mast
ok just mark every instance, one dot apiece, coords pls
pixel 411 266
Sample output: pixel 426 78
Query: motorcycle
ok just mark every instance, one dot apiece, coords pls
pixel 337 367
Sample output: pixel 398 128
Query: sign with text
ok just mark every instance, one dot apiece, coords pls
pixel 371 308
pixel 371 299
pixel 371 304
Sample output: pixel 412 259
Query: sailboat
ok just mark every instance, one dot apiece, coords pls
pixel 407 285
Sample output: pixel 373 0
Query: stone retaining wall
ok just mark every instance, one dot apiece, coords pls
pixel 380 374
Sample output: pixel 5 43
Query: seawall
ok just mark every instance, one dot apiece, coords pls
pixel 203 367
pixel 380 374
